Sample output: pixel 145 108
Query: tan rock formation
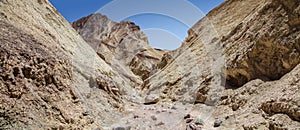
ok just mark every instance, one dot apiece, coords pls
pixel 49 75
pixel 122 45
pixel 259 40
pixel 238 68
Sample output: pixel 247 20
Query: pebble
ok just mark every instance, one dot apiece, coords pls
pixel 189 120
pixel 164 110
pixel 160 123
pixel 217 122
pixel 173 107
pixel 122 128
pixel 135 116
pixel 152 109
pixel 187 116
pixel 86 113
pixel 151 99
pixel 227 117
pixel 191 127
pixel 199 121
pixel 153 118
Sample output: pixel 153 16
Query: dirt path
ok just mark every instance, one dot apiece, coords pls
pixel 164 116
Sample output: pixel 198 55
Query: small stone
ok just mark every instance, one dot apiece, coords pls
pixel 227 117
pixel 160 123
pixel 164 110
pixel 173 107
pixel 187 116
pixel 76 101
pixel 217 122
pixel 153 118
pixel 151 99
pixel 115 90
pixel 122 128
pixel 86 113
pixel 191 127
pixel 235 107
pixel 189 120
pixel 135 116
pixel 199 121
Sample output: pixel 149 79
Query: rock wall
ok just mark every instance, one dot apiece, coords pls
pixel 239 65
pixel 50 77
pixel 268 44
pixel 238 58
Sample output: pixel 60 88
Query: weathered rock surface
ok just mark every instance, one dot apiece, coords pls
pixel 259 104
pixel 265 44
pixel 239 64
pixel 49 73
pixel 122 45
pixel 152 98
pixel 238 44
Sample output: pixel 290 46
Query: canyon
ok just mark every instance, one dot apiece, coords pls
pixel 237 69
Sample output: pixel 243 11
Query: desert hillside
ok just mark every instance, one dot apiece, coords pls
pixel 237 69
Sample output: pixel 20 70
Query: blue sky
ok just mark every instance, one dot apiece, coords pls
pixel 165 22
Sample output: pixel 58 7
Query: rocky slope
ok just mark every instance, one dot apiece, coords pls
pixel 238 54
pixel 122 45
pixel 50 77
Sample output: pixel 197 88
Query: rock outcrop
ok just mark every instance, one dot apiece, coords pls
pixel 238 68
pixel 234 47
pixel 122 45
pixel 262 105
pixel 50 77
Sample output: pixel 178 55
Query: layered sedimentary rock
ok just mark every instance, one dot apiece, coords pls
pixel 50 77
pixel 238 68
pixel 122 45
pixel 236 43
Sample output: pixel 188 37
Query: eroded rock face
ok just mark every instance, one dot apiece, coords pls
pixel 229 50
pixel 263 44
pixel 49 73
pixel 268 44
pixel 51 78
pixel 34 79
pixel 285 107
pixel 122 45
pixel 98 27
pixel 262 105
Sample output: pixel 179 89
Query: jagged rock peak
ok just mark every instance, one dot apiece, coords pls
pixel 127 24
pixel 123 45
pixel 94 17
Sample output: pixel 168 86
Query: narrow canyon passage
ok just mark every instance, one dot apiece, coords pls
pixel 237 69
